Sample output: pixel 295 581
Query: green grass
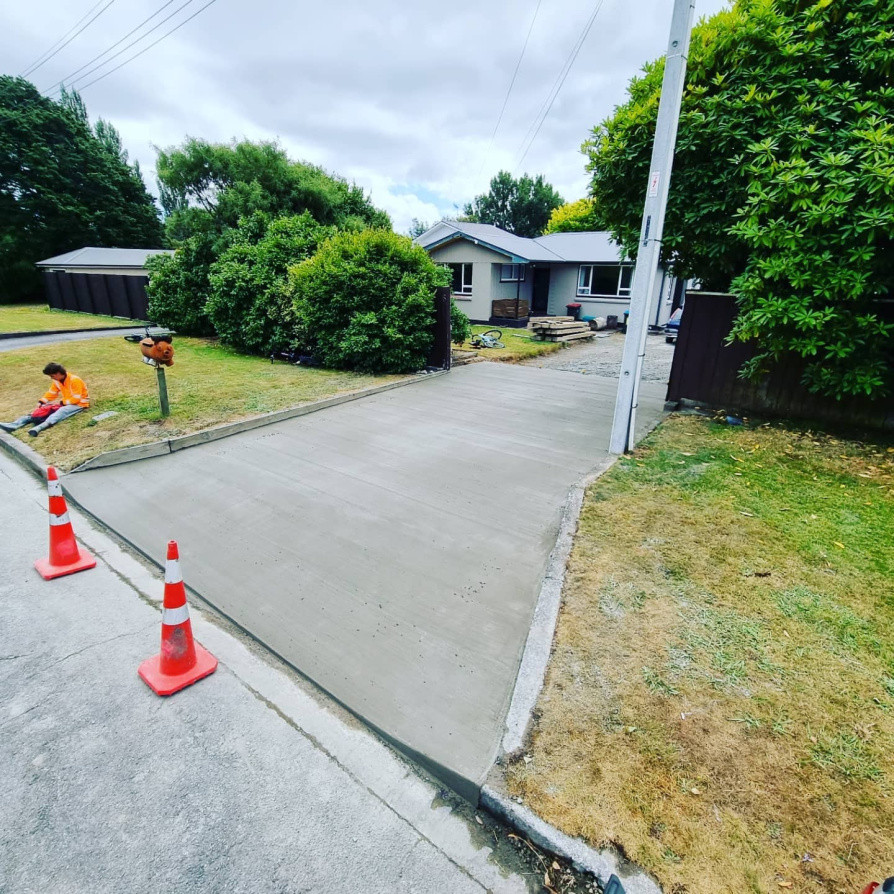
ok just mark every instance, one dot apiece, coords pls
pixel 37 318
pixel 723 664
pixel 207 386
pixel 519 345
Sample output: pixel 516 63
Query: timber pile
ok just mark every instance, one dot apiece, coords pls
pixel 559 329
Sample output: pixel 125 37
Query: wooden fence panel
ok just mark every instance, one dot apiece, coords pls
pixel 706 370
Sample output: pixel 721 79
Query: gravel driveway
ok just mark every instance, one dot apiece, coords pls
pixel 602 357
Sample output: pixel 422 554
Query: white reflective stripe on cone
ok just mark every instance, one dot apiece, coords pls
pixel 55 488
pixel 172 572
pixel 56 520
pixel 174 616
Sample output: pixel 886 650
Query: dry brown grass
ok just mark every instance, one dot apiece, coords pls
pixel 720 701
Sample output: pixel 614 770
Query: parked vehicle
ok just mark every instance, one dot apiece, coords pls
pixel 672 326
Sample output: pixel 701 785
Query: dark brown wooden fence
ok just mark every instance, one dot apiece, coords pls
pixel 706 370
pixel 114 295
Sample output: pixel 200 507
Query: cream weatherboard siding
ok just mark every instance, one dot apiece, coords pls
pixel 477 305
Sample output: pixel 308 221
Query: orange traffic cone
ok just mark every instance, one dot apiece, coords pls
pixel 65 557
pixel 181 661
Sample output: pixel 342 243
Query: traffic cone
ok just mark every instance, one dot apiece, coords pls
pixel 65 557
pixel 181 661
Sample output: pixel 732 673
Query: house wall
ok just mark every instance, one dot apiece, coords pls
pixel 563 290
pixel 477 305
pixel 500 290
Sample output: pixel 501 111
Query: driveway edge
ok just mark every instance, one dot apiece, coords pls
pixel 6 335
pixel 172 445
pixel 602 864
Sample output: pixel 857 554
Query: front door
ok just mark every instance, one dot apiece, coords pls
pixel 540 296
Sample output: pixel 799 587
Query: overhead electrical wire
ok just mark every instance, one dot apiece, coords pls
pixel 59 49
pixel 68 78
pixel 154 43
pixel 46 52
pixel 511 85
pixel 557 87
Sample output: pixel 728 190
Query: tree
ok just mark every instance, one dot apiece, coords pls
pixel 576 217
pixel 63 185
pixel 783 183
pixel 249 303
pixel 228 182
pixel 520 206
pixel 418 227
pixel 365 301
pixel 206 189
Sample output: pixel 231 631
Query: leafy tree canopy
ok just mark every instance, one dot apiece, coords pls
pixel 783 182
pixel 575 217
pixel 520 206
pixel 63 185
pixel 228 182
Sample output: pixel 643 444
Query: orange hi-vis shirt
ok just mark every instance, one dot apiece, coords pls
pixel 72 391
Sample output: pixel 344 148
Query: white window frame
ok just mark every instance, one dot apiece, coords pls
pixel 585 281
pixel 516 272
pixel 466 284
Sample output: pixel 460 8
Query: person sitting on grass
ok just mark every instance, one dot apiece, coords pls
pixel 66 388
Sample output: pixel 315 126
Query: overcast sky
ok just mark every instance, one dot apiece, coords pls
pixel 401 97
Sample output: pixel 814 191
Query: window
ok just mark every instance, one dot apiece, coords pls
pixel 462 278
pixel 609 280
pixel 512 272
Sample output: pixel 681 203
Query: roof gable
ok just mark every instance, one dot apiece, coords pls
pixel 580 248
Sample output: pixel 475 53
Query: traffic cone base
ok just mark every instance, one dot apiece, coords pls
pixel 168 684
pixel 48 571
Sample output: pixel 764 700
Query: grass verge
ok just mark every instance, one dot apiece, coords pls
pixel 720 700
pixel 37 318
pixel 518 342
pixel 208 385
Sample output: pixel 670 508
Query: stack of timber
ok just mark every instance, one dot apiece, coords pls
pixel 509 309
pixel 559 329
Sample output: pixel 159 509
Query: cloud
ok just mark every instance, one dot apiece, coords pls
pixel 402 98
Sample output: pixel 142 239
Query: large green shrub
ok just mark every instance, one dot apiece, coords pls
pixel 178 286
pixel 365 302
pixel 783 180
pixel 249 303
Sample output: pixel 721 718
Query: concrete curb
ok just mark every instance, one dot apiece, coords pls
pixel 4 335
pixel 602 864
pixel 528 685
pixel 172 445
pixel 24 455
pixel 538 646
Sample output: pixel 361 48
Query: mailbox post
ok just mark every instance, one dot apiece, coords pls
pixel 158 353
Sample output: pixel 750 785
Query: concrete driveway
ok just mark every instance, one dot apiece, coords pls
pixel 391 548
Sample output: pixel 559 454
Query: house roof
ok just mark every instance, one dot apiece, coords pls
pixel 104 257
pixel 586 248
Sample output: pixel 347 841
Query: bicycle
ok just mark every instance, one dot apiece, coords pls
pixel 489 339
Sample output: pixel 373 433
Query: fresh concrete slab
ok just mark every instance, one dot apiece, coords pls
pixel 392 548
pixel 245 782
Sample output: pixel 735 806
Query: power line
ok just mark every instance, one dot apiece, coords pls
pixel 70 39
pixel 145 49
pixel 53 47
pixel 68 78
pixel 511 85
pixel 557 85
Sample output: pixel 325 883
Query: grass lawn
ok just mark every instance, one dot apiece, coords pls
pixel 207 385
pixel 720 699
pixel 38 318
pixel 519 345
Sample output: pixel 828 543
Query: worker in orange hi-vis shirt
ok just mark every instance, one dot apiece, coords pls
pixel 67 396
